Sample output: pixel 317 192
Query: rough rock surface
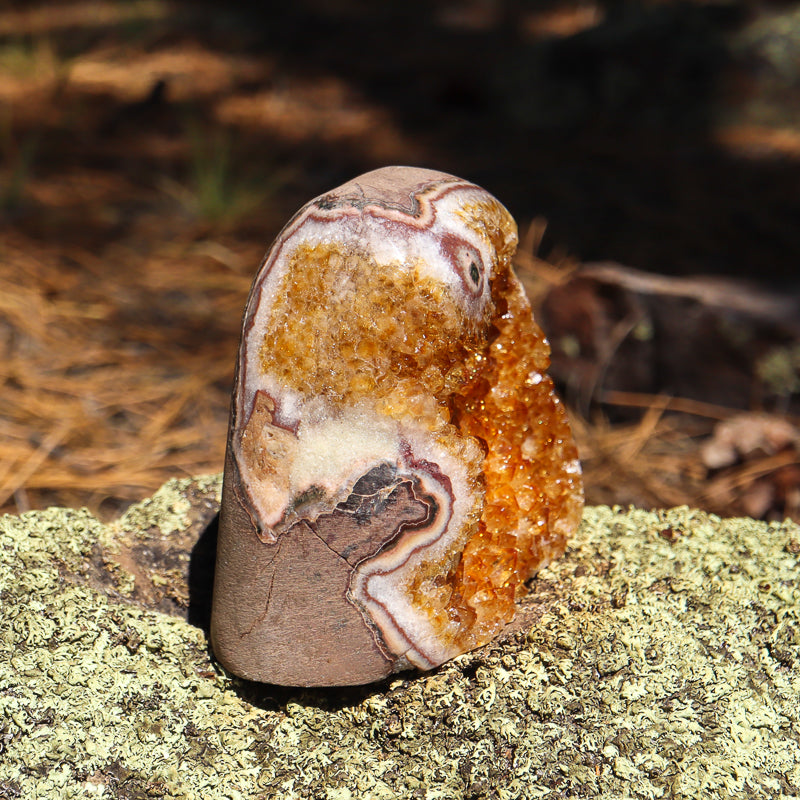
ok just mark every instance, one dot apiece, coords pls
pixel 659 658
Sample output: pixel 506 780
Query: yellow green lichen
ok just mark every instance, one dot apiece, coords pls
pixel 664 662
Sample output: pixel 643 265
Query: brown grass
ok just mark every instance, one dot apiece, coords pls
pixel 115 376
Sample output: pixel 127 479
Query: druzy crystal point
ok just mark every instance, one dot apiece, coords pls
pixel 397 464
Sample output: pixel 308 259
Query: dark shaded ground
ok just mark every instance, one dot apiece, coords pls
pixel 150 150
pixel 610 132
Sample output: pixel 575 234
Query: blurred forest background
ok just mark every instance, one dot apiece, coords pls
pixel 150 150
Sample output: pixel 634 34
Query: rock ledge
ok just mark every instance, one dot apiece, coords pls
pixel 659 658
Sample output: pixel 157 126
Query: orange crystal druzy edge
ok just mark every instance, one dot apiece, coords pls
pixel 534 492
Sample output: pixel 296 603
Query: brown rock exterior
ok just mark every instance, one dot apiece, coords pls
pixel 398 464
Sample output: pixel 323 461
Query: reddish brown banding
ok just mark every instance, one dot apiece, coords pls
pixel 411 542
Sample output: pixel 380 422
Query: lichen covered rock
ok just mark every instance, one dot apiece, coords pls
pixel 660 657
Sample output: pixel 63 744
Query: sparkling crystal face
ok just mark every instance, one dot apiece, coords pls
pixel 389 355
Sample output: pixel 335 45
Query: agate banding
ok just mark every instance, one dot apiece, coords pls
pixel 397 463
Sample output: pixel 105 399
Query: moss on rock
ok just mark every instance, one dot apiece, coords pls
pixel 659 658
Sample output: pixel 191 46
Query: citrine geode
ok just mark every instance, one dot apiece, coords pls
pixel 398 465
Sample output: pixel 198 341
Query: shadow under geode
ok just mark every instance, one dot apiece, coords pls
pixel 200 578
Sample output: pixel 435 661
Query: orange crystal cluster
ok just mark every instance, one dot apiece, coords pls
pixel 402 343
pixel 398 339
pixel 534 490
